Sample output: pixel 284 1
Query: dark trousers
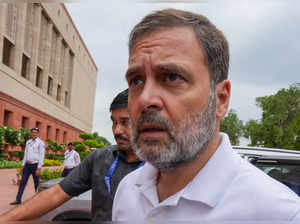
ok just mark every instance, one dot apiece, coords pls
pixel 29 169
pixel 66 172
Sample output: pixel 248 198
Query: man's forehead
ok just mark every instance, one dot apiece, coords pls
pixel 120 113
pixel 164 47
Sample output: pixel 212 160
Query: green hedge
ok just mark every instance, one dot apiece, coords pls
pixel 49 162
pixel 17 154
pixel 83 155
pixel 55 157
pixel 48 174
pixel 5 164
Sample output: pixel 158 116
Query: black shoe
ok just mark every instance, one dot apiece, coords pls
pixel 15 202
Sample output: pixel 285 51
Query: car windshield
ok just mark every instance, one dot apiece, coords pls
pixel 287 173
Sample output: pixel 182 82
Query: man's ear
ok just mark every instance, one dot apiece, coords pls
pixel 222 98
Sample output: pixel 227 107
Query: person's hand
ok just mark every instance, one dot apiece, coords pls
pixel 37 172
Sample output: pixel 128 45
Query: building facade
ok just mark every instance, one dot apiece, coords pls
pixel 47 75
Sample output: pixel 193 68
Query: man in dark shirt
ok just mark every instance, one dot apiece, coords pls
pixel 101 171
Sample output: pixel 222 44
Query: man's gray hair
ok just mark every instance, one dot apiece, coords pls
pixel 212 41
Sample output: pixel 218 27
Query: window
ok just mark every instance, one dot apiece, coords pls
pixel 29 26
pixel 57 134
pixel 11 20
pixel 65 137
pixel 25 67
pixel 50 86
pixel 53 58
pixel 66 99
pixel 7 56
pixel 39 77
pixel 48 133
pixel 8 118
pixel 43 39
pixel 58 94
pixel 38 125
pixel 25 122
pixel 62 66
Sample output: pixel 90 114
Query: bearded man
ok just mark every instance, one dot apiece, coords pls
pixel 178 93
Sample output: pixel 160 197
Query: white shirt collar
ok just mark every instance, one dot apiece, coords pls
pixel 36 139
pixel 208 185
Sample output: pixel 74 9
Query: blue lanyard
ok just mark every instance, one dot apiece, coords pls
pixel 110 172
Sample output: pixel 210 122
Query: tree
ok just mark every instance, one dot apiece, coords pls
pixel 24 135
pixel 11 136
pixel 253 130
pixel 2 135
pixel 94 140
pixel 279 126
pixel 54 146
pixel 101 140
pixel 231 125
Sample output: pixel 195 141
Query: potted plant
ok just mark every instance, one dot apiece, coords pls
pixel 19 176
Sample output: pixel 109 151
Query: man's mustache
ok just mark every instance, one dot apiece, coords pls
pixel 121 137
pixel 155 118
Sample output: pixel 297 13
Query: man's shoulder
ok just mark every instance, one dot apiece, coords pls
pixel 29 140
pixel 76 153
pixel 251 183
pixel 256 180
pixel 40 141
pixel 131 178
pixel 104 152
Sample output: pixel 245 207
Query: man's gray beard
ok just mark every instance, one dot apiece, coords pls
pixel 182 146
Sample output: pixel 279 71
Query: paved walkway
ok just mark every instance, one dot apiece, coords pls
pixel 8 190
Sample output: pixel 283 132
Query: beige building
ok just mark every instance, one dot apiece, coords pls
pixel 47 75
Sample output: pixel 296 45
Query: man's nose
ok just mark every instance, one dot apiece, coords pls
pixel 150 97
pixel 119 129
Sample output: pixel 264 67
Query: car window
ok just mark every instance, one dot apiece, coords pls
pixel 288 174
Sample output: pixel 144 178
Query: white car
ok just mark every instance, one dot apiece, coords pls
pixel 76 209
pixel 281 164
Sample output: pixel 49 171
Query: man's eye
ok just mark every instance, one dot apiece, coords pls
pixel 125 122
pixel 135 81
pixel 172 77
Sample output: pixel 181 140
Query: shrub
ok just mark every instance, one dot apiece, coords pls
pixel 48 174
pixel 55 157
pixel 48 162
pixel 11 136
pixel 92 143
pixel 84 154
pixel 2 135
pixel 5 164
pixel 86 136
pixel 101 140
pixel 17 154
pixel 24 135
pixel 54 146
pixel 79 147
pixel 3 157
pixel 19 173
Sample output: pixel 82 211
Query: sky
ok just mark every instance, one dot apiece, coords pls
pixel 263 36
